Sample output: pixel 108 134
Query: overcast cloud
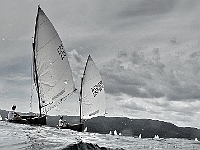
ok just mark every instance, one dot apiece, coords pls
pixel 147 52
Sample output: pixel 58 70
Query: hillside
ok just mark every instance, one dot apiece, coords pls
pixel 147 127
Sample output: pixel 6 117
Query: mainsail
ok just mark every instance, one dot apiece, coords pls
pixel 52 72
pixel 92 92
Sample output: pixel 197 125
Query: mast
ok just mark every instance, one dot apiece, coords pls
pixel 34 65
pixel 80 97
pixel 80 100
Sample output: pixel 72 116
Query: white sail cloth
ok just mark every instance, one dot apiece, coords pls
pixel 54 74
pixel 93 94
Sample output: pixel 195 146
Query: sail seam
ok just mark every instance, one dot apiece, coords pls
pixel 48 42
pixel 40 75
pixel 44 21
pixel 54 84
pixel 58 102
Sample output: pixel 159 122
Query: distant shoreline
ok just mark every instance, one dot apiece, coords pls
pixel 148 128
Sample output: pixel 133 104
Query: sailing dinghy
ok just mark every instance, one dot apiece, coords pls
pixel 53 77
pixel 51 70
pixel 92 95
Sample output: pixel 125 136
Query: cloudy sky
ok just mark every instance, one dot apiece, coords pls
pixel 147 52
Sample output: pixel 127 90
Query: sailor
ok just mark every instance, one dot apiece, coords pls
pixel 12 115
pixel 60 121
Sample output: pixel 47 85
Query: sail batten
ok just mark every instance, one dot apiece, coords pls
pixel 93 94
pixel 52 68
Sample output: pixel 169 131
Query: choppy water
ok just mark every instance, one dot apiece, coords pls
pixel 25 137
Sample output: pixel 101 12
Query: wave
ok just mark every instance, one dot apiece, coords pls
pixel 87 146
pixel 19 136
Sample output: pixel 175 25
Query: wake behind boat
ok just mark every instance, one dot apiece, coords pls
pixel 76 127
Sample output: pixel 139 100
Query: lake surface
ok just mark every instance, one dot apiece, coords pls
pixel 25 137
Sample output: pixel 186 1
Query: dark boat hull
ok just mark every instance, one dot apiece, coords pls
pixel 37 120
pixel 75 127
pixel 34 120
pixel 23 121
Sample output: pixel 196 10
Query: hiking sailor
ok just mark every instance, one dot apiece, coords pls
pixel 12 115
pixel 61 122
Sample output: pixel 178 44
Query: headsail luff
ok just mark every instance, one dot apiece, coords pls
pixel 93 94
pixel 53 75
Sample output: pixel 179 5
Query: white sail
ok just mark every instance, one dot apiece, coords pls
pixel 110 132
pixel 85 130
pixel 52 69
pixel 93 94
pixel 156 137
pixel 115 132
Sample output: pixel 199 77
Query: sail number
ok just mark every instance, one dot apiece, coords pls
pixel 97 88
pixel 61 51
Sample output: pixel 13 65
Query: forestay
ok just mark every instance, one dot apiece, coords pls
pixel 93 94
pixel 52 69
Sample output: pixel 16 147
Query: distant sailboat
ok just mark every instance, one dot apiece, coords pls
pixel 115 132
pixel 51 69
pixel 85 130
pixel 92 94
pixel 140 136
pixel 196 139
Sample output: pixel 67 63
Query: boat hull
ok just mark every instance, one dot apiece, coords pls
pixel 34 120
pixel 23 121
pixel 37 120
pixel 75 127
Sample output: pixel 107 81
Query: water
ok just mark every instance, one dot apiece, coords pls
pixel 26 137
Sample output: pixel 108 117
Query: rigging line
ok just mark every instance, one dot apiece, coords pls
pixel 32 87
